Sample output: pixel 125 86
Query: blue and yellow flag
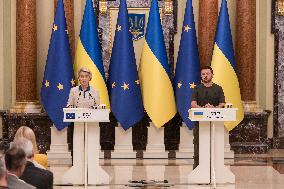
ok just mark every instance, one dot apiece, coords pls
pixel 154 72
pixel 224 66
pixel 124 87
pixel 187 74
pixel 88 53
pixel 58 74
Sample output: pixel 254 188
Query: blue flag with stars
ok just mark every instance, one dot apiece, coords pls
pixel 58 74
pixel 187 74
pixel 124 88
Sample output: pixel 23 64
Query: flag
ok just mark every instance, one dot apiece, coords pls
pixel 88 53
pixel 187 74
pixel 124 87
pixel 154 72
pixel 58 74
pixel 224 66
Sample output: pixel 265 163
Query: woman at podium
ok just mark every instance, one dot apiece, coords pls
pixel 84 95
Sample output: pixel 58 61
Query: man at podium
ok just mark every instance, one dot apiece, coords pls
pixel 205 95
pixel 84 95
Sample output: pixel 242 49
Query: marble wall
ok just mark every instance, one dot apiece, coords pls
pixel 278 29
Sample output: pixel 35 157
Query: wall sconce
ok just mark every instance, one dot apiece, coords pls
pixel 169 7
pixel 103 6
pixel 280 5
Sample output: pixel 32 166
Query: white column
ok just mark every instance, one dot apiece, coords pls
pixel 229 154
pixel 59 158
pixel 155 145
pixel 219 172
pixel 201 174
pixel 96 174
pixel 123 144
pixel 211 156
pixel 186 147
pixel 76 174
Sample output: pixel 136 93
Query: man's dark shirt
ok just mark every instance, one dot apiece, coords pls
pixel 213 95
pixel 40 178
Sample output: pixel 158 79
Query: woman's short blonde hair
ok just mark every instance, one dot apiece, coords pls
pixel 26 132
pixel 87 70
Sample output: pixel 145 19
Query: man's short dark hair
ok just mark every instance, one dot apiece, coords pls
pixel 15 158
pixel 207 68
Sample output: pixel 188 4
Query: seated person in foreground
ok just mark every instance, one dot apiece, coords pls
pixel 3 172
pixel 40 178
pixel 84 95
pixel 15 159
pixel 40 160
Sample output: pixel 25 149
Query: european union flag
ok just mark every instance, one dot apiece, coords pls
pixel 188 66
pixel 124 86
pixel 70 115
pixel 58 74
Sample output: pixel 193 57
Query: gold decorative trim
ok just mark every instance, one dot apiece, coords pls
pixel 251 106
pixel 26 107
pixel 280 6
pixel 168 7
pixel 103 6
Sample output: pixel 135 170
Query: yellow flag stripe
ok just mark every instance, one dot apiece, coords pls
pixel 82 59
pixel 225 76
pixel 157 90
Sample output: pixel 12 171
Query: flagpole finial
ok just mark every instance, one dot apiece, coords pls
pixel 103 6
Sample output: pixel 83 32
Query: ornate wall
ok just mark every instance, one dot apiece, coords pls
pixel 171 23
pixel 278 29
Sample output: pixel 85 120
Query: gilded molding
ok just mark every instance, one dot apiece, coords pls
pixel 103 6
pixel 168 7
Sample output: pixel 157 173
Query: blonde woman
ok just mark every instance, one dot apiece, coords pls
pixel 83 96
pixel 26 132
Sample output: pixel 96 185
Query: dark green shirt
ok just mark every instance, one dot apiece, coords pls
pixel 213 95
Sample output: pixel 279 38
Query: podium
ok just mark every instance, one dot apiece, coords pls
pixel 211 168
pixel 86 146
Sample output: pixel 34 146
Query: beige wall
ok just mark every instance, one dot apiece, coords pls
pixel 44 18
pixel 7 51
pixel 264 59
pixel 45 10
pixel 1 53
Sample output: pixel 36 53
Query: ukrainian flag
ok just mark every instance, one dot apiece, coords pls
pixel 154 72
pixel 224 66
pixel 88 53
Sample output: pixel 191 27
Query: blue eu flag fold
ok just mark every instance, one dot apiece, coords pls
pixel 188 66
pixel 58 74
pixel 124 87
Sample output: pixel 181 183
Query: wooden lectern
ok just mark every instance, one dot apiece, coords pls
pixel 86 146
pixel 211 168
